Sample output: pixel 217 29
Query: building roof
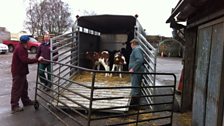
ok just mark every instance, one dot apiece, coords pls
pixel 184 9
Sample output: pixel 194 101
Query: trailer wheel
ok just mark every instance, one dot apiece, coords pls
pixel 36 105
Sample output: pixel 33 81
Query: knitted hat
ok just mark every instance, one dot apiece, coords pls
pixel 24 38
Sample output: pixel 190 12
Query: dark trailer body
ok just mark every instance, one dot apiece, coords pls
pixel 106 32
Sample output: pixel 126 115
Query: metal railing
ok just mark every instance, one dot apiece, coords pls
pixel 65 101
pixel 150 56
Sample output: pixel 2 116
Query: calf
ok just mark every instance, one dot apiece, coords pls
pixel 98 59
pixel 93 57
pixel 119 61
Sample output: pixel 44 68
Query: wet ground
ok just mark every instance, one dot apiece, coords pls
pixel 30 117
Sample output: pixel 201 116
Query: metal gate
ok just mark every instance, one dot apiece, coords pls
pixel 93 103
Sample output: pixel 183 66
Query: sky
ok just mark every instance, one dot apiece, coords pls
pixel 152 13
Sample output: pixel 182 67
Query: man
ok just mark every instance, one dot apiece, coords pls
pixel 43 52
pixel 136 65
pixel 19 69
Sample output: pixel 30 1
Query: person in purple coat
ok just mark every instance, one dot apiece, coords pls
pixel 19 70
pixel 43 52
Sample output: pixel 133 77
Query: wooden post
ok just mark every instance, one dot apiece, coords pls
pixel 189 60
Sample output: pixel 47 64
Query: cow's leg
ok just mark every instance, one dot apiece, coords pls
pixel 120 69
pixel 98 66
pixel 107 69
pixel 93 67
pixel 113 67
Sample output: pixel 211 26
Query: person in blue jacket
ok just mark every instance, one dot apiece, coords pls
pixel 136 62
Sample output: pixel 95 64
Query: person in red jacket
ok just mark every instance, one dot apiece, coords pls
pixel 19 70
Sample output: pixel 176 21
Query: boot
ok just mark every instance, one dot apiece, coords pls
pixel 16 109
pixel 134 101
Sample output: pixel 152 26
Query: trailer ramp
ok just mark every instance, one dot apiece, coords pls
pixel 109 82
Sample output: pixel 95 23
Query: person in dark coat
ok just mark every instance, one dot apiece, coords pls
pixel 136 65
pixel 43 52
pixel 19 70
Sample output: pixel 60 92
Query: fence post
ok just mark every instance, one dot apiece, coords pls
pixel 91 99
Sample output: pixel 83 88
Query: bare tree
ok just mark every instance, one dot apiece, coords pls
pixel 48 15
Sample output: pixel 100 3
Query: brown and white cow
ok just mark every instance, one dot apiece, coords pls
pixel 93 57
pixel 119 61
pixel 98 59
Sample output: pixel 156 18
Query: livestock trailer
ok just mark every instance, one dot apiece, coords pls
pixel 78 88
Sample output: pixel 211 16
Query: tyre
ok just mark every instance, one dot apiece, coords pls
pixel 33 50
pixel 36 105
pixel 11 48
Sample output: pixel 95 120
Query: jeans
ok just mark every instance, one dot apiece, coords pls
pixel 42 75
pixel 136 80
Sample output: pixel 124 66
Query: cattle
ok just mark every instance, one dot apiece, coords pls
pixel 119 61
pixel 99 58
pixel 93 57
